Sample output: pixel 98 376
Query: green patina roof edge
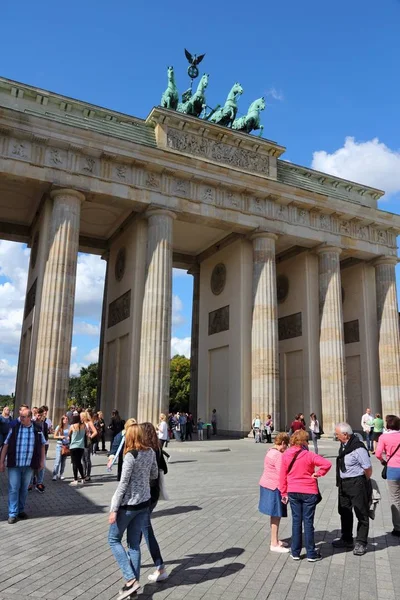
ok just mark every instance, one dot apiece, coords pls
pixel 81 103
pixel 286 165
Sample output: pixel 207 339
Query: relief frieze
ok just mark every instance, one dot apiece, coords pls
pixel 290 327
pixel 218 152
pixel 30 299
pixel 218 320
pixel 74 160
pixel 351 332
pixel 119 309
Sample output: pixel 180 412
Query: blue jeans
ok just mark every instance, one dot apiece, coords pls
pixel 152 543
pixel 133 521
pixel 18 481
pixel 59 463
pixel 303 511
pixel 368 438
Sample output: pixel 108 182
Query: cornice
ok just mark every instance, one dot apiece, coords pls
pixel 163 174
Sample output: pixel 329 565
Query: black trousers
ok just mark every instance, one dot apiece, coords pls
pixel 354 493
pixel 76 459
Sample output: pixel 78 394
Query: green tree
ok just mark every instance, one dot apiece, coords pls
pixel 179 383
pixel 83 389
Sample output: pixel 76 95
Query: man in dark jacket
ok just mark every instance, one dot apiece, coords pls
pixel 24 449
pixel 353 473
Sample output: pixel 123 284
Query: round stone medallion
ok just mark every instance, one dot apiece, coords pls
pixel 218 279
pixel 34 250
pixel 120 264
pixel 282 288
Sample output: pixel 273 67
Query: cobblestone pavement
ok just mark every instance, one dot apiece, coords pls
pixel 213 539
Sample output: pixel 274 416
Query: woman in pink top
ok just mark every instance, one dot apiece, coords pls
pixel 389 445
pixel 270 497
pixel 298 483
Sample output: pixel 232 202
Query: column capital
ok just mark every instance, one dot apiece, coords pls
pixel 195 270
pixel 67 192
pixel 155 211
pixel 385 260
pixel 263 234
pixel 326 248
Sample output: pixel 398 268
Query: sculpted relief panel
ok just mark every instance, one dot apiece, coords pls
pixel 218 152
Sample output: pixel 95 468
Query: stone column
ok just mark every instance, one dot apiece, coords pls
pixel 331 339
pixel 264 330
pixel 194 340
pixel 389 338
pixel 155 346
pixel 50 385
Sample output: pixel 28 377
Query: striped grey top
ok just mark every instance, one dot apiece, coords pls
pixel 134 487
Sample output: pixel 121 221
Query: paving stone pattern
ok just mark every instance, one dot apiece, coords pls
pixel 214 541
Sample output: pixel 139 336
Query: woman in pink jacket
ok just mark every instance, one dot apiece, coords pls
pixel 389 445
pixel 270 497
pixel 298 484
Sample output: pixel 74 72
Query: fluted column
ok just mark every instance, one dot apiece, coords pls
pixel 389 338
pixel 264 330
pixel 331 340
pixel 155 346
pixel 194 340
pixel 50 386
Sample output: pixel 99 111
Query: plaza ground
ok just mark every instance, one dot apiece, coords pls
pixel 214 541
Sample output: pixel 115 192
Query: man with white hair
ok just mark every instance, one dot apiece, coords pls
pixel 353 473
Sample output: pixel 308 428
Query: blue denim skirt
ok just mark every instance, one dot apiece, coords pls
pixel 271 503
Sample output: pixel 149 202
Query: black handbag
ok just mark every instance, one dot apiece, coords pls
pixel 384 470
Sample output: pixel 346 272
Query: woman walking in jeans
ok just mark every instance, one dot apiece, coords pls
pixel 130 507
pixel 77 434
pixel 61 435
pixel 298 483
pixel 151 440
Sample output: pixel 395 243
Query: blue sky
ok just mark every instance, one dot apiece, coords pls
pixel 329 72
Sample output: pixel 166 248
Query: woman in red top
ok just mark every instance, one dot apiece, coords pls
pixel 297 424
pixel 298 483
pixel 270 497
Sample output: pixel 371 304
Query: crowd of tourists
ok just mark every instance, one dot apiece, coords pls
pixel 290 476
pixel 291 473
pixel 139 452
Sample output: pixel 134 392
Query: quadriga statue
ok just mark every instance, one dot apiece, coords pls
pixel 251 121
pixel 170 97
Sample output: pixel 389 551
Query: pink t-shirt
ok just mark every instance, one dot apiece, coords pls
pixel 272 466
pixel 299 479
pixel 387 444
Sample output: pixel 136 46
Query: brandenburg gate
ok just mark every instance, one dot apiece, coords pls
pixel 294 295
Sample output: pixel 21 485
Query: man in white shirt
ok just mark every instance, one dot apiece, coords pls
pixel 367 422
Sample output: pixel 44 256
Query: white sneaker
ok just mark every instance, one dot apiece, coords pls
pixel 157 576
pixel 280 549
pixel 62 477
pixel 73 483
pixel 54 478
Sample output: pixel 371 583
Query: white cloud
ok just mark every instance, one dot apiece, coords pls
pixel 83 328
pixel 177 308
pixel 180 273
pixel 92 356
pixel 371 163
pixel 89 286
pixel 275 94
pixel 180 346
pixel 8 374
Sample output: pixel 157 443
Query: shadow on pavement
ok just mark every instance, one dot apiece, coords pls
pixel 187 572
pixel 59 499
pixel 176 510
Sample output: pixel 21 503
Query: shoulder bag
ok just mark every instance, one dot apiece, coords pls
pixel 384 470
